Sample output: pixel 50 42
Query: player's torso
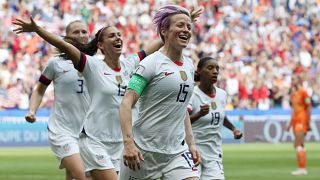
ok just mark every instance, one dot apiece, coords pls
pixel 207 129
pixel 71 98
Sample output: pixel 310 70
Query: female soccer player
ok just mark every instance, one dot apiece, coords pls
pixel 154 147
pixel 207 114
pixel 71 102
pixel 106 81
pixel 300 122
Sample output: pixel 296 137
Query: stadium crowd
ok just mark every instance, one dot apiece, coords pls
pixel 260 44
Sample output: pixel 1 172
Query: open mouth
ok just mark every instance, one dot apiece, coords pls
pixel 118 45
pixel 183 37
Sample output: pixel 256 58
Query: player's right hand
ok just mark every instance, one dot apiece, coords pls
pixel 24 26
pixel 30 117
pixel 204 110
pixel 132 156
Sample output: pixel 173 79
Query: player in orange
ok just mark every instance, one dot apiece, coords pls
pixel 300 122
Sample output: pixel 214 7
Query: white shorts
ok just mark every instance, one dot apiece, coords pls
pixel 63 145
pixel 97 155
pixel 157 165
pixel 209 170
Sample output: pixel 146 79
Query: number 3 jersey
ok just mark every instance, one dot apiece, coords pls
pixel 106 88
pixel 71 97
pixel 206 130
pixel 163 104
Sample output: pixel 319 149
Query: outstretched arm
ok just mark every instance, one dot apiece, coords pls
pixel 236 133
pixel 35 102
pixel 72 52
pixel 153 47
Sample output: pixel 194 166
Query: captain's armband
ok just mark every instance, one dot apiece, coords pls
pixel 137 83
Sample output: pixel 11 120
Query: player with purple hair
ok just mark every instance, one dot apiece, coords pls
pixel 154 146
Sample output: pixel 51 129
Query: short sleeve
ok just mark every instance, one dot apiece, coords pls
pixel 87 64
pixel 132 61
pixel 48 72
pixel 146 68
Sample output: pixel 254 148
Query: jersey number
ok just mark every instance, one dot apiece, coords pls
pixel 80 85
pixel 121 90
pixel 182 93
pixel 215 118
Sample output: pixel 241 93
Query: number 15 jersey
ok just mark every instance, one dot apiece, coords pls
pixel 163 104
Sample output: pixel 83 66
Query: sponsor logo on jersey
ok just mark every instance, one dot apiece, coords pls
pixel 168 73
pixel 106 73
pixel 119 79
pixel 65 71
pixel 213 105
pixel 183 75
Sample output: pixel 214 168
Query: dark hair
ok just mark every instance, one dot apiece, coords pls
pixel 202 62
pixel 162 17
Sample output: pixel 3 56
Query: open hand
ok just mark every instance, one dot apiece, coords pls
pixel 24 26
pixel 132 156
pixel 195 12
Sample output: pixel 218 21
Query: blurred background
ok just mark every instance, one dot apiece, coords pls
pixel 260 44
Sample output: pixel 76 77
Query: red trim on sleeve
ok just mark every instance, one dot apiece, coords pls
pixel 82 62
pixel 44 80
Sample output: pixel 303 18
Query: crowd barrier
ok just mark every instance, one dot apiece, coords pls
pixel 257 126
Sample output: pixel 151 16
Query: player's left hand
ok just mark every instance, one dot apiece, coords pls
pixel 195 155
pixel 237 134
pixel 195 12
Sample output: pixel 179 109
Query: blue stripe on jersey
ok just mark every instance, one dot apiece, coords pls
pixel 142 55
pixel 82 62
pixel 44 80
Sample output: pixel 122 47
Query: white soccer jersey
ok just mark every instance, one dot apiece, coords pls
pixel 71 97
pixel 106 88
pixel 163 104
pixel 206 130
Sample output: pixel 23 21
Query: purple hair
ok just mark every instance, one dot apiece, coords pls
pixel 162 17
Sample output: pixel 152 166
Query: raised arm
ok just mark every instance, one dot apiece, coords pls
pixel 204 110
pixel 154 46
pixel 35 101
pixel 132 156
pixel 72 52
pixel 236 133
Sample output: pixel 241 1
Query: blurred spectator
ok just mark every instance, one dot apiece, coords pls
pixel 259 43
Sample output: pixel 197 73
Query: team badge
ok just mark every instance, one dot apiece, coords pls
pixel 213 105
pixel 119 79
pixel 183 75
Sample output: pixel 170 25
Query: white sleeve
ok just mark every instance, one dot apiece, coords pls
pixel 146 68
pixel 133 60
pixel 48 72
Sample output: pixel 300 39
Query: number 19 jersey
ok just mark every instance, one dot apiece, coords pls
pixel 206 130
pixel 163 104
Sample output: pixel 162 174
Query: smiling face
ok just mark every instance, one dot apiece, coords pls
pixel 209 72
pixel 78 31
pixel 110 42
pixel 178 33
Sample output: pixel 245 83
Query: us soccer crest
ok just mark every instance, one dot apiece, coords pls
pixel 183 75
pixel 213 105
pixel 119 79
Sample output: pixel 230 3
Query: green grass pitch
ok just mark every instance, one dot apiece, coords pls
pixel 241 162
